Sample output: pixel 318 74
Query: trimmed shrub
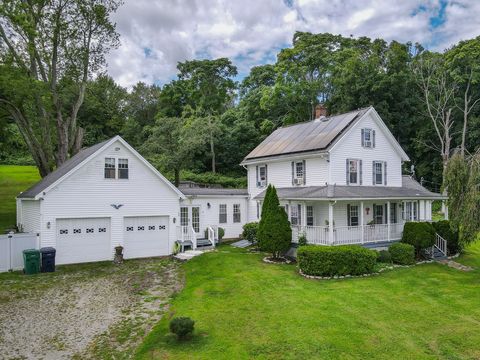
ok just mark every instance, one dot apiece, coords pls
pixel 221 233
pixel 445 229
pixel 336 260
pixel 274 233
pixel 302 240
pixel 419 234
pixel 250 231
pixel 384 256
pixel 402 254
pixel 182 327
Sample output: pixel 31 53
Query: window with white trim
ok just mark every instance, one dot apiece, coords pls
pixel 296 214
pixel 354 172
pixel 222 213
pixel 262 176
pixel 368 138
pixel 299 170
pixel 109 168
pixel 393 213
pixel 377 214
pixel 352 215
pixel 310 215
pixel 236 213
pixel 410 211
pixel 379 172
pixel 123 168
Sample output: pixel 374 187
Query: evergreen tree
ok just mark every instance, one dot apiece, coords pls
pixel 274 232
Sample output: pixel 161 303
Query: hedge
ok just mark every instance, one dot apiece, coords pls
pixel 419 234
pixel 445 230
pixel 336 260
pixel 403 254
pixel 250 231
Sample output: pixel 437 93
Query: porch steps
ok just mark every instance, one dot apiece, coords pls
pixel 437 254
pixel 203 243
pixel 379 245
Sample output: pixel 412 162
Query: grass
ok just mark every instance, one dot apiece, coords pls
pixel 244 308
pixel 13 180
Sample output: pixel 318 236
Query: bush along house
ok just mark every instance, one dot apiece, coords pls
pixel 339 179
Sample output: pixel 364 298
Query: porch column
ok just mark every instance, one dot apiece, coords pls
pixel 330 222
pixel 304 215
pixel 445 213
pixel 361 222
pixel 388 220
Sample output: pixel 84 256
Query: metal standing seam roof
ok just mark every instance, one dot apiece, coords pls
pixel 314 135
pixel 189 191
pixel 410 189
pixel 66 167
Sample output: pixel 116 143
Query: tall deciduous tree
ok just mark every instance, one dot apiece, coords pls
pixel 49 50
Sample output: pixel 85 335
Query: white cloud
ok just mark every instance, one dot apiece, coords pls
pixel 155 35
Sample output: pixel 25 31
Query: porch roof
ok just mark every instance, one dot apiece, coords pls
pixel 410 189
pixel 198 191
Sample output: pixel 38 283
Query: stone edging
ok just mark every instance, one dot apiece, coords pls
pixel 265 260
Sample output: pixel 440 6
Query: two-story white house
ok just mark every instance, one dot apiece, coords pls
pixel 339 179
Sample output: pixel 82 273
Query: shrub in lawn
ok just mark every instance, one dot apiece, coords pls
pixel 336 260
pixel 302 239
pixel 419 234
pixel 384 256
pixel 274 233
pixel 182 327
pixel 446 230
pixel 402 254
pixel 221 233
pixel 250 231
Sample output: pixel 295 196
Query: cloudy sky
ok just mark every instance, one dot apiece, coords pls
pixel 156 34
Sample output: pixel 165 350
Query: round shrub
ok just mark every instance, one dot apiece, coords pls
pixel 445 229
pixel 221 233
pixel 384 257
pixel 302 239
pixel 419 234
pixel 336 260
pixel 182 327
pixel 250 231
pixel 401 253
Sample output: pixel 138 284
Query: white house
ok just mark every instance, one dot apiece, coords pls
pixel 339 179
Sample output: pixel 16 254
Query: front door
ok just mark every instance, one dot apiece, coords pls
pixel 190 215
pixel 378 214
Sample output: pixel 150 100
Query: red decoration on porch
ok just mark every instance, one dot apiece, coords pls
pixel 367 210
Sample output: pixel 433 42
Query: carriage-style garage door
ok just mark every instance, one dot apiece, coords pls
pixel 83 240
pixel 145 236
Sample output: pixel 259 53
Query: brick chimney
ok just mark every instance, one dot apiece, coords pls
pixel 320 111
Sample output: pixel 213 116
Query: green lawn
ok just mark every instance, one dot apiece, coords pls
pixel 13 180
pixel 244 309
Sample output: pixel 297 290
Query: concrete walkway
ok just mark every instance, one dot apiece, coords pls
pixel 455 265
pixel 189 254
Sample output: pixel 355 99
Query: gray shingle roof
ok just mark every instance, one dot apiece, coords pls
pixel 410 189
pixel 313 135
pixel 66 167
pixel 192 191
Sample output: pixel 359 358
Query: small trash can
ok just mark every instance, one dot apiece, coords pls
pixel 48 259
pixel 31 261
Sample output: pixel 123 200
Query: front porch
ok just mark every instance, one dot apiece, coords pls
pixel 345 222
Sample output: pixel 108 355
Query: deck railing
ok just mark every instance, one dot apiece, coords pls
pixel 345 235
pixel 211 235
pixel 187 233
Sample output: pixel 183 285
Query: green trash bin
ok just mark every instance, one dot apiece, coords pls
pixel 31 261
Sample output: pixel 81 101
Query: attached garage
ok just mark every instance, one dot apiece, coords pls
pixel 146 236
pixel 83 240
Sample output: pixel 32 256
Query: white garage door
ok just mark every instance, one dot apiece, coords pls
pixel 83 240
pixel 145 236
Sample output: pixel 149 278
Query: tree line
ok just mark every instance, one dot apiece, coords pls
pixel 55 96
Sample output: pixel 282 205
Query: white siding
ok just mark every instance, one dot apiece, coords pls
pixel 28 215
pixel 350 146
pixel 210 216
pixel 86 193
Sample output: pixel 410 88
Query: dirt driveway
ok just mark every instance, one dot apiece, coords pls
pixel 84 311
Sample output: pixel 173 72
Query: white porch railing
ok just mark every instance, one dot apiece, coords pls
pixel 345 235
pixel 187 233
pixel 211 235
pixel 441 244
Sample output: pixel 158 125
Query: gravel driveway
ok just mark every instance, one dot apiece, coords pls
pixel 85 311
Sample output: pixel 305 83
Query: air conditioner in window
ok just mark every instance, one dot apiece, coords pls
pixel 262 183
pixel 367 143
pixel 298 181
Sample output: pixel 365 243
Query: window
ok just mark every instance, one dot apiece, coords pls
pixel 123 168
pixel 63 232
pixel 196 218
pixel 183 216
pixel 77 231
pixel 379 173
pixel 151 227
pixel 129 228
pixel 299 169
pixel 140 228
pixel 354 172
pixel 262 176
pixel 109 168
pixel 102 230
pixel 298 173
pixel 236 213
pixel 410 211
pixel 368 138
pixel 309 215
pixel 296 215
pixel 222 214
pixel 161 227
pixel 90 231
pixel 378 214
pixel 393 213
pixel 352 215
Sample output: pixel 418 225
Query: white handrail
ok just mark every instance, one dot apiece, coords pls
pixel 211 235
pixel 441 244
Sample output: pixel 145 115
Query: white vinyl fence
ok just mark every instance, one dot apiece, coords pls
pixel 11 247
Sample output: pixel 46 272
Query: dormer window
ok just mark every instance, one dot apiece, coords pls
pixel 298 173
pixel 368 138
pixel 109 168
pixel 262 176
pixel 123 168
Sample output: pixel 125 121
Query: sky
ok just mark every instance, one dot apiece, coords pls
pixel 156 34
